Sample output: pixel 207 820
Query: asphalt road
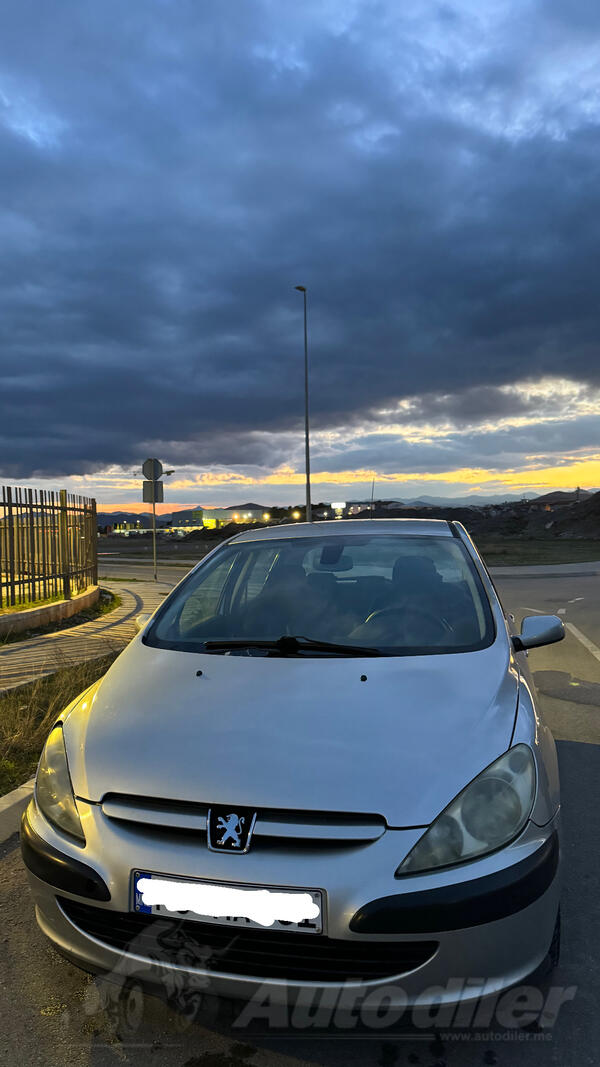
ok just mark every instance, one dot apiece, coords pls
pixel 52 1014
pixel 567 675
pixel 167 570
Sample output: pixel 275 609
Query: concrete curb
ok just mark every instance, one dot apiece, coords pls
pixel 11 807
pixel 17 621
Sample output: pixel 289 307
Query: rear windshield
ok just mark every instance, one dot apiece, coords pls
pixel 400 595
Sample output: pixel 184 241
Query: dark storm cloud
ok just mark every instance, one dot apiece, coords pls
pixel 472 404
pixel 171 170
pixel 499 449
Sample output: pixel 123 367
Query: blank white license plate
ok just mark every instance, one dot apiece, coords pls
pixel 228 903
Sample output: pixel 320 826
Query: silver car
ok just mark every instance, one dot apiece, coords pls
pixel 319 765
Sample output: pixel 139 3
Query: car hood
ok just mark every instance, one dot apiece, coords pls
pixel 294 733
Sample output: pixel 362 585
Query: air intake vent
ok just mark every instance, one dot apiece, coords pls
pixel 251 954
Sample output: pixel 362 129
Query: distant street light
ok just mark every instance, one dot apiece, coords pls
pixel 302 289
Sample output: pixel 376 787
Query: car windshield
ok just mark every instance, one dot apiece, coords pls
pixel 391 594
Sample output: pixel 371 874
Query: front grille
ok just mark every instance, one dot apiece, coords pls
pixel 288 827
pixel 251 953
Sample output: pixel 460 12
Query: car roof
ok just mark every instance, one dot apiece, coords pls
pixel 346 527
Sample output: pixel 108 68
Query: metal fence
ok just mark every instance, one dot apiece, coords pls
pixel 48 545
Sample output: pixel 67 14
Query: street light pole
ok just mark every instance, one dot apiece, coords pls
pixel 302 289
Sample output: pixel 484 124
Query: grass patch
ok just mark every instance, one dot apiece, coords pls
pixel 111 578
pixel 497 553
pixel 27 713
pixel 105 603
pixel 28 605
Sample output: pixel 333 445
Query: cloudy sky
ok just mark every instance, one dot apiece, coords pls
pixel 170 169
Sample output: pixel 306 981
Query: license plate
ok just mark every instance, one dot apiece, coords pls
pixel 228 903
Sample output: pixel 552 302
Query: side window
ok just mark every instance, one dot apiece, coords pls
pixel 203 603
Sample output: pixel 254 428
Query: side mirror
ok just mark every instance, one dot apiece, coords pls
pixel 538 630
pixel 141 620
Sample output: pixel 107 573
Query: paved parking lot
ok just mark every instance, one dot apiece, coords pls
pixel 567 675
pixel 53 1014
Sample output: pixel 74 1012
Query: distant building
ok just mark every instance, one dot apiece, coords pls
pixel 213 518
pixel 181 531
pixel 339 508
pixel 187 520
pixel 127 528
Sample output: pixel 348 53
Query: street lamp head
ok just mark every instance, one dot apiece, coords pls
pixel 300 288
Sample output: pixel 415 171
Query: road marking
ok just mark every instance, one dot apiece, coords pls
pixel 536 610
pixel 574 601
pixel 585 641
pixel 561 611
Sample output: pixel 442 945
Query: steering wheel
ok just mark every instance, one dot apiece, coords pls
pixel 437 620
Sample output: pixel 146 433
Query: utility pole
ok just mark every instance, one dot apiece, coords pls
pixel 302 289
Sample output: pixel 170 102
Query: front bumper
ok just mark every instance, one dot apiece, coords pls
pixel 486 925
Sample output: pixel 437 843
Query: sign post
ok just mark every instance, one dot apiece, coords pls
pixel 152 494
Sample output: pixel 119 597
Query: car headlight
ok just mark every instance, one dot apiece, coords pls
pixel 53 790
pixel 489 813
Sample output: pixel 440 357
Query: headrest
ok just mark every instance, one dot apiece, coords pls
pixel 415 570
pixel 324 579
pixel 286 574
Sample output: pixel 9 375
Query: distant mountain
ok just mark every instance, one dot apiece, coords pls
pixel 246 507
pixel 476 500
pixel 110 518
pixel 575 496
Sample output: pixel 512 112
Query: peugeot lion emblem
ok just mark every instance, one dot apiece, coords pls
pixel 230 831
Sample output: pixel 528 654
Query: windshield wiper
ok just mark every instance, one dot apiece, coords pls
pixel 289 645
